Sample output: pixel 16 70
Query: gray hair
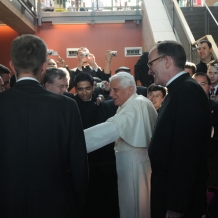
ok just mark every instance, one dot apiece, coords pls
pixel 52 73
pixel 125 80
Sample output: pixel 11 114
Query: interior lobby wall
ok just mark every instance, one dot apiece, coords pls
pixel 98 38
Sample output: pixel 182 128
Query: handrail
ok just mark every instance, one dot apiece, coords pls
pixel 210 13
pixel 184 22
pixel 32 13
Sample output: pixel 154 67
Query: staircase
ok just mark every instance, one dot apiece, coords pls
pixel 195 18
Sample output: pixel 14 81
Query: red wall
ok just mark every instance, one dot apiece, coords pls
pixel 6 37
pixel 97 38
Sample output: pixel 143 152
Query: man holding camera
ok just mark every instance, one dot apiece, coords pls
pixel 87 63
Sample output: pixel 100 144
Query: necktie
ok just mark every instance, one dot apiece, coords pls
pixel 212 89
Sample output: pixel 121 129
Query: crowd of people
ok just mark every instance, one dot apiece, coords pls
pixel 83 142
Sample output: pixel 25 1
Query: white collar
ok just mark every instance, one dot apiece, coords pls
pixel 27 78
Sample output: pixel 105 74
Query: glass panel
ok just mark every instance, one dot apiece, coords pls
pixel 88 5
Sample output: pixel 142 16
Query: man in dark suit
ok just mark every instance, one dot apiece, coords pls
pixel 178 146
pixel 212 158
pixel 43 160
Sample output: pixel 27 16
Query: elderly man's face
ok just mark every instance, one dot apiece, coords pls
pixel 118 93
pixel 156 68
pixel 59 86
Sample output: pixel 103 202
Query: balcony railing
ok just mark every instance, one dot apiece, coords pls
pixel 89 5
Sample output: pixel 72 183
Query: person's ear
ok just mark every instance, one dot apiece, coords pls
pixel 44 66
pixel 131 89
pixel 12 66
pixel 47 85
pixel 168 61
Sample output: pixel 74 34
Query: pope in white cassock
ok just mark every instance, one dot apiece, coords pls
pixel 131 129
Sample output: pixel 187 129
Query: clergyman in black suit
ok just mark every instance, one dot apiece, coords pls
pixel 43 159
pixel 212 158
pixel 178 146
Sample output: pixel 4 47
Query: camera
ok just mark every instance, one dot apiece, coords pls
pixel 85 54
pixel 114 53
pixel 100 85
pixel 51 52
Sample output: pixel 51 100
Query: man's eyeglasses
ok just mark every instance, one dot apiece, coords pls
pixel 61 86
pixel 150 63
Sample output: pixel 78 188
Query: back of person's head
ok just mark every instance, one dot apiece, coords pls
pixel 173 49
pixel 205 41
pixel 28 54
pixel 191 66
pixel 153 87
pixel 202 74
pixel 213 63
pixel 4 70
pixel 81 77
pixel 123 69
pixel 52 73
pixel 125 80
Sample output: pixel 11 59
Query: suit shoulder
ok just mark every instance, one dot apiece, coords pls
pixel 58 98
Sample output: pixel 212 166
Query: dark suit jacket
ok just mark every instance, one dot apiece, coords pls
pixel 106 110
pixel 43 160
pixel 178 150
pixel 216 93
pixel 88 111
pixel 213 145
pixel 201 67
pixel 213 163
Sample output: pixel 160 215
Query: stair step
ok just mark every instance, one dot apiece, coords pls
pixel 196 18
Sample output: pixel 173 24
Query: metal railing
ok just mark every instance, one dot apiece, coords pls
pixel 91 5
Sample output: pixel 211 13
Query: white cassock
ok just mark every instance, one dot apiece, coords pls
pixel 132 128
